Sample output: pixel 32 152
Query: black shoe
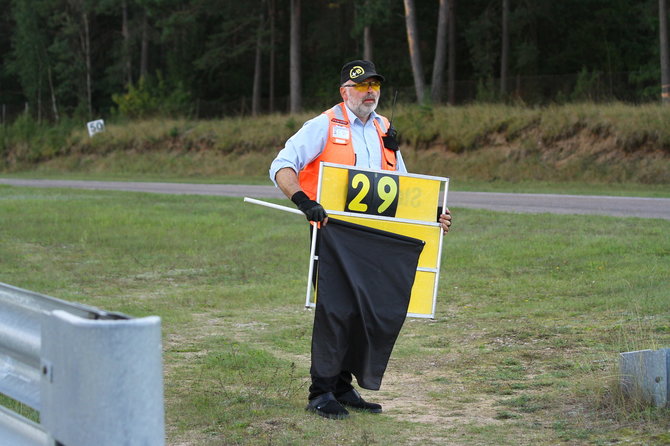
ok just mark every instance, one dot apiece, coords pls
pixel 353 399
pixel 327 406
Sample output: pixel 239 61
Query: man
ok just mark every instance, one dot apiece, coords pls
pixel 350 133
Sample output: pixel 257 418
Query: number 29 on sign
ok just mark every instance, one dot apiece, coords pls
pixel 372 193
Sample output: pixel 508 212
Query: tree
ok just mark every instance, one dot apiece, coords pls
pixel 665 61
pixel 367 43
pixel 271 78
pixel 144 48
pixel 85 41
pixel 504 56
pixel 256 94
pixel 369 13
pixel 70 37
pixel 414 51
pixel 295 79
pixel 440 53
pixel 452 53
pixel 126 55
pixel 30 61
pixel 224 42
pixel 482 36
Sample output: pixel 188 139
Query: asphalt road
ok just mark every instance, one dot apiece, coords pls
pixel 518 203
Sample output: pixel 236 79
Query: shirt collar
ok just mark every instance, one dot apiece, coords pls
pixel 351 114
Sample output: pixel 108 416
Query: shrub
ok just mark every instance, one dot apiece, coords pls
pixel 153 97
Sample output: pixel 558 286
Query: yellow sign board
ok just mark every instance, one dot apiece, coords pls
pixel 401 203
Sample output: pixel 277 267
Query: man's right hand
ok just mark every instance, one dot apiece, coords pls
pixel 312 210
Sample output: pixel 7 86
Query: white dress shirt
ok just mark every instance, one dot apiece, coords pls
pixel 307 144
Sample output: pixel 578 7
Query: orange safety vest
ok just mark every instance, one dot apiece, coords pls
pixel 339 149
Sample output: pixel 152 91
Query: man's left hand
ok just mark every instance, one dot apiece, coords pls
pixel 445 220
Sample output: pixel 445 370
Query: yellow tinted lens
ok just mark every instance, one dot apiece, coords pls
pixel 363 86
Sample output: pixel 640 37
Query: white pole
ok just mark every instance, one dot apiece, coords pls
pixel 312 258
pixel 273 206
pixel 439 251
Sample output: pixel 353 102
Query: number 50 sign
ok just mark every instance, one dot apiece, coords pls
pixel 404 204
pixel 95 127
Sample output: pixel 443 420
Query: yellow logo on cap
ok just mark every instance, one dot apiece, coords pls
pixel 356 71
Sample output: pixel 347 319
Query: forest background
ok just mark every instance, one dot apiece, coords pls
pixel 215 58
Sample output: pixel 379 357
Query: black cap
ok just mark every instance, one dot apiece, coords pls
pixel 358 71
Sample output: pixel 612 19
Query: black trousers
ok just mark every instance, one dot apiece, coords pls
pixel 339 385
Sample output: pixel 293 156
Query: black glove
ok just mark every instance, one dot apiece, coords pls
pixel 390 141
pixel 312 210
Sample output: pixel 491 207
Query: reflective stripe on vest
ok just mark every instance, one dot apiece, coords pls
pixel 339 149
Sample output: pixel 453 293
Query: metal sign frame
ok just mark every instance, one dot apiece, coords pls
pixel 313 258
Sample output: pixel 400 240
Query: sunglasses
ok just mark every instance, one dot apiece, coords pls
pixel 363 86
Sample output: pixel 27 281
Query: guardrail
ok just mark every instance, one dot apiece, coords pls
pixel 645 376
pixel 95 377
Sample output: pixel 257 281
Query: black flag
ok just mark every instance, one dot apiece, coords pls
pixel 364 283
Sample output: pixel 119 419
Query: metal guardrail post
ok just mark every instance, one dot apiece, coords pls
pixel 110 374
pixel 95 377
pixel 645 374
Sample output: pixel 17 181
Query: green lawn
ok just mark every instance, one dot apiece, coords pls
pixel 532 313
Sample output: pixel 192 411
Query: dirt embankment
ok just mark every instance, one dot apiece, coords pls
pixel 586 143
pixel 580 156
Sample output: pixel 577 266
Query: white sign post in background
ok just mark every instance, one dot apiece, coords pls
pixel 95 127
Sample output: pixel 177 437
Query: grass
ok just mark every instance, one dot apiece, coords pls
pixel 469 127
pixel 489 144
pixel 532 313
